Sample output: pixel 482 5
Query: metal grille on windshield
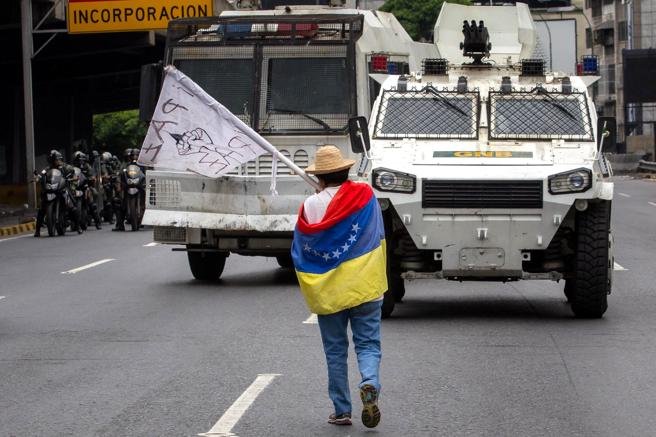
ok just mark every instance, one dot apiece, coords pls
pixel 305 89
pixel 428 113
pixel 539 115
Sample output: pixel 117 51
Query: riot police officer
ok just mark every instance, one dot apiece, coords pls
pixel 55 161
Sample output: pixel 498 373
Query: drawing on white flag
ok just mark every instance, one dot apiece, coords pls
pixel 192 131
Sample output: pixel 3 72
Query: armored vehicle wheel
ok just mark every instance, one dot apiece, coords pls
pixel 592 281
pixel 285 261
pixel 388 304
pixel 206 266
pixel 389 298
pixel 397 285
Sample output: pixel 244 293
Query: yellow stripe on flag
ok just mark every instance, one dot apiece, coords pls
pixel 350 284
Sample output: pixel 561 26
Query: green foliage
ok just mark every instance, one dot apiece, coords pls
pixel 118 130
pixel 418 16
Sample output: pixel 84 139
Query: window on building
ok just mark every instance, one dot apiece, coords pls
pixel 622 31
pixel 596 8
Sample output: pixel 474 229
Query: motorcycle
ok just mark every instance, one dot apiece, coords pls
pixel 78 207
pixel 53 185
pixel 134 183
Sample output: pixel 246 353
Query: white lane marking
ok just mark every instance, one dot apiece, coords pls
pixel 312 320
pixel 153 244
pixel 618 267
pixel 230 418
pixel 652 203
pixel 2 297
pixel 624 194
pixel 88 266
pixel 15 238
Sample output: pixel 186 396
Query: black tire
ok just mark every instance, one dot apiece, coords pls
pixel 60 221
pixel 388 304
pixel 206 266
pixel 592 280
pixel 397 285
pixel 50 219
pixel 285 261
pixel 133 210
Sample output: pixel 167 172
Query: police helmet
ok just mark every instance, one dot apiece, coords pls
pixel 54 156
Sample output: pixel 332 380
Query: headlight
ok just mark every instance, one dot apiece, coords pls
pixel 574 181
pixel 393 181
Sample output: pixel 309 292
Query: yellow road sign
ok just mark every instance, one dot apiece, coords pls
pixel 86 16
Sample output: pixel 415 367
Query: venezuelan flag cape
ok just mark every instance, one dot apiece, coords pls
pixel 341 261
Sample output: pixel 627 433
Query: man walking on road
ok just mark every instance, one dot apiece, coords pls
pixel 339 257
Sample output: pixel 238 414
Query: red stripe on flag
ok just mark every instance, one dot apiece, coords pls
pixel 350 198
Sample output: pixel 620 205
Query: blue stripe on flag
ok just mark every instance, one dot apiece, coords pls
pixel 356 235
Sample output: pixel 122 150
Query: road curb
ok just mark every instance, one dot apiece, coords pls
pixel 17 229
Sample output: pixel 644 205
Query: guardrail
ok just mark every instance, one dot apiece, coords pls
pixel 646 165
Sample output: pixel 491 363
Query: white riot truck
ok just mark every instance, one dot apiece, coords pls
pixel 488 168
pixel 296 75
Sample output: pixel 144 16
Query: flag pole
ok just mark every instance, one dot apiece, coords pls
pixel 256 137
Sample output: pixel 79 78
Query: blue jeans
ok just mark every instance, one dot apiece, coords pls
pixel 365 326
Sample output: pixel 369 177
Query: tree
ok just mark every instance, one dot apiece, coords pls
pixel 418 16
pixel 118 130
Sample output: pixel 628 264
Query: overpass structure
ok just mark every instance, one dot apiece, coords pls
pixel 53 81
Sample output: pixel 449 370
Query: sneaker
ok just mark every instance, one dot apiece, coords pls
pixel 370 411
pixel 342 419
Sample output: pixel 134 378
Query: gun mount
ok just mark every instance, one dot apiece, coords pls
pixel 477 41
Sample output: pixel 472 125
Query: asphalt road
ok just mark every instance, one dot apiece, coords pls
pixel 135 347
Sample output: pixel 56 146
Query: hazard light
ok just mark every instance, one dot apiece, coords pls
pixel 379 63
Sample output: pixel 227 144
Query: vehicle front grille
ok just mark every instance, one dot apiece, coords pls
pixel 169 234
pixel 164 193
pixel 262 165
pixel 481 194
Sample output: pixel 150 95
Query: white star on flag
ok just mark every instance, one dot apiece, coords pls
pixel 356 228
pixel 345 247
pixel 326 256
pixel 352 239
pixel 307 247
pixel 336 253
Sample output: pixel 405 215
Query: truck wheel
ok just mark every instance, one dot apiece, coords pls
pixel 397 285
pixel 285 261
pixel 206 266
pixel 388 304
pixel 592 278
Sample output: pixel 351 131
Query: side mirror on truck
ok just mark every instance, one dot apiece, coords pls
pixel 359 133
pixel 149 86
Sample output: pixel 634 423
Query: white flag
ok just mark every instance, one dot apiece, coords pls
pixel 192 131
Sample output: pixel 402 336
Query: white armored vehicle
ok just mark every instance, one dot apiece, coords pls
pixel 296 75
pixel 488 168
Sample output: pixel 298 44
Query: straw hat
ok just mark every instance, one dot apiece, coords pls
pixel 329 160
